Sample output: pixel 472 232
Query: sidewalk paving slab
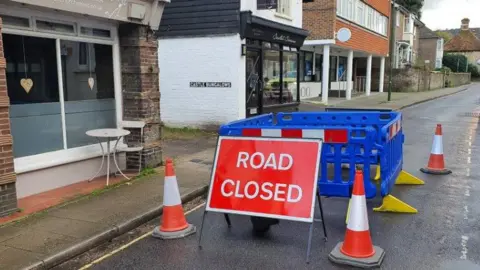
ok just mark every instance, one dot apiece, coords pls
pixel 53 231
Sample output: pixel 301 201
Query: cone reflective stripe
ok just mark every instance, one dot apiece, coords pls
pixel 173 222
pixel 436 162
pixel 358 243
pixel 357 248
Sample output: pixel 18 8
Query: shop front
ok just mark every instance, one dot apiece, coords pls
pixel 65 74
pixel 272 59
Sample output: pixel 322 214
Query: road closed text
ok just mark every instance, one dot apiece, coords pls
pixel 265 176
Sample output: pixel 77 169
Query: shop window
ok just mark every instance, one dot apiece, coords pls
pixel 289 92
pixel 306 66
pixel 342 68
pixel 87 107
pixel 271 77
pixel 318 67
pixel 333 69
pixel 36 112
pixel 35 116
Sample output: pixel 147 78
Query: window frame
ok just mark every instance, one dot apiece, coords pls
pixel 68 155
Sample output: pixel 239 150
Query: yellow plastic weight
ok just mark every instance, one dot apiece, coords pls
pixel 392 204
pixel 377 174
pixel 404 178
pixel 348 210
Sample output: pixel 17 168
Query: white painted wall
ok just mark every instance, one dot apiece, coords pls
pixel 310 90
pixel 201 59
pixel 295 18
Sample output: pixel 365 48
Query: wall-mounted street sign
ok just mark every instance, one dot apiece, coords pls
pixel 211 84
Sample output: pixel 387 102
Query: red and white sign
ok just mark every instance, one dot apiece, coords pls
pixel 266 177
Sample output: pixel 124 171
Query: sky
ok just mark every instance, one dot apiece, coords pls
pixel 447 14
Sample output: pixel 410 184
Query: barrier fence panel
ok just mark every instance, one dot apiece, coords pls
pixel 357 138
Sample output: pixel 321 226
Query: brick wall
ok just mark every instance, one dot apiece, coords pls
pixel 362 40
pixel 141 93
pixel 319 18
pixel 8 194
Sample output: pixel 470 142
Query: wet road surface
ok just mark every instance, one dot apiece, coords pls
pixel 445 234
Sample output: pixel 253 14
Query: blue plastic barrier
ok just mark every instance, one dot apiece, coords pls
pixel 350 137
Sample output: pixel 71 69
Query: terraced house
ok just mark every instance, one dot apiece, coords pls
pixel 344 55
pixel 67 67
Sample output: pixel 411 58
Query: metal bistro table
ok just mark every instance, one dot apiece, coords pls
pixel 109 134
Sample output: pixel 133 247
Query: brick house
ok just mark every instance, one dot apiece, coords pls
pixel 330 67
pixel 79 72
pixel 466 42
pixel 430 48
pixel 224 60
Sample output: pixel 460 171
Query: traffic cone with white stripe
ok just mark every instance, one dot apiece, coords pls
pixel 436 162
pixel 173 223
pixel 357 249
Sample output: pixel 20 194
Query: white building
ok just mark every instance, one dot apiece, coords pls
pixel 228 59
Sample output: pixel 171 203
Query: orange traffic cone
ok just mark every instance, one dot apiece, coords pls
pixel 436 162
pixel 357 249
pixel 173 224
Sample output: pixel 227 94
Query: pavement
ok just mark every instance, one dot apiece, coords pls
pixel 399 100
pixel 56 235
pixel 51 235
pixel 445 234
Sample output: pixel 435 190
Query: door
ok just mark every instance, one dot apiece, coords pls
pixel 253 83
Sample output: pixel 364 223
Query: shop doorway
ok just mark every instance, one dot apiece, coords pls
pixel 254 84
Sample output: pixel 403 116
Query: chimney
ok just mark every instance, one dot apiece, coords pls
pixel 465 24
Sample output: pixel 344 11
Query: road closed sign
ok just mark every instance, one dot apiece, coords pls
pixel 266 177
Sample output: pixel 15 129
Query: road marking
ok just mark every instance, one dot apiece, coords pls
pixel 113 252
pixel 464 247
pixel 465 213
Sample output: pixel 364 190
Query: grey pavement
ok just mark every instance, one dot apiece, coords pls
pixel 36 238
pixel 445 234
pixel 399 100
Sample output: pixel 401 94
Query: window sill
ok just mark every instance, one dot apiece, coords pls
pixel 283 16
pixel 60 157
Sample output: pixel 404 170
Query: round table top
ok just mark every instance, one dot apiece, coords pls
pixel 107 132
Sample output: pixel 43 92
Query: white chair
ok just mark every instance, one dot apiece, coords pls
pixel 135 125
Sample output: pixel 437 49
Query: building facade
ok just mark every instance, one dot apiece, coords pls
pixel 63 72
pixel 334 67
pixel 430 49
pixel 407 38
pixel 465 42
pixel 224 60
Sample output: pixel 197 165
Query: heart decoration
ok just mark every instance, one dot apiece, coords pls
pixel 91 83
pixel 27 84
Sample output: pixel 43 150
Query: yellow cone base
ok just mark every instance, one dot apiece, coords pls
pixel 405 178
pixel 392 204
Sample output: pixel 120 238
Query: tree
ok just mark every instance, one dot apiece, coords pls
pixel 456 62
pixel 414 6
pixel 445 35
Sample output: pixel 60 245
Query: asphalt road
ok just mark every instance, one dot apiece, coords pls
pixel 443 235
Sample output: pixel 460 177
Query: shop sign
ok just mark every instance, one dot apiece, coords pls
pixel 273 35
pixel 211 84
